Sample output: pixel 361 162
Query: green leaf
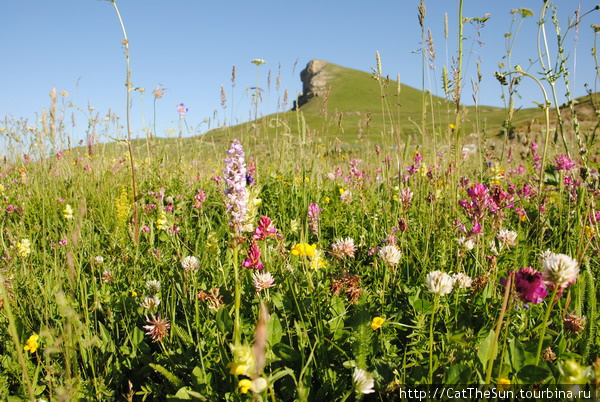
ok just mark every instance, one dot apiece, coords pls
pixel 458 374
pixel 531 374
pixel 286 352
pixel 422 306
pixel 517 354
pixel 137 337
pixel 224 321
pixel 274 330
pixel 485 348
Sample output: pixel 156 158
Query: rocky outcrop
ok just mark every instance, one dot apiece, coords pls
pixel 314 81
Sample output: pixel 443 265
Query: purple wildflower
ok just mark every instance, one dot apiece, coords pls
pixel 236 193
pixel 182 110
pixel 563 162
pixel 313 217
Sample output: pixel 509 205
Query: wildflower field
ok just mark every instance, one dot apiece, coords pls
pixel 302 257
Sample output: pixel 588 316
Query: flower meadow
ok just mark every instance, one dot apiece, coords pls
pixel 242 265
pixel 251 280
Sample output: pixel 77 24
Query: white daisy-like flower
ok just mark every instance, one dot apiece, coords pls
pixel 150 302
pixel 99 259
pixel 190 263
pixel 390 254
pixel 560 270
pixel 462 280
pixel 439 283
pixel 363 381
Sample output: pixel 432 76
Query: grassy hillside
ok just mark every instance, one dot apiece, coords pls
pixel 360 111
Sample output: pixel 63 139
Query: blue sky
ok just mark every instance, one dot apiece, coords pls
pixel 189 47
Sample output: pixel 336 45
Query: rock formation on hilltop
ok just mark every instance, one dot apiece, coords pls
pixel 314 81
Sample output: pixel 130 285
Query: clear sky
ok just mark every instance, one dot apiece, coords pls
pixel 189 47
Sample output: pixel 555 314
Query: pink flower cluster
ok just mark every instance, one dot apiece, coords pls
pixel 253 260
pixel 264 229
pixel 313 217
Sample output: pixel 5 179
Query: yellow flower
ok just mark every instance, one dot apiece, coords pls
pixel 161 222
pixel 243 360
pixel 68 212
pixel 452 126
pixel 122 205
pixel 316 261
pixel 395 197
pixel 327 200
pixel 133 293
pixel 342 190
pixel 589 231
pixel 377 322
pixel 244 385
pixel 24 248
pixel 32 344
pixel 503 381
pixel 522 218
pixel 304 250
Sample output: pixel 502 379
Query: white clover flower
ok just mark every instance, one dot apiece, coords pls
pixel 150 302
pixel 390 254
pixel 439 283
pixel 462 280
pixel 343 248
pixel 99 259
pixel 466 244
pixel 153 287
pixel 507 237
pixel 262 280
pixel 560 270
pixel 190 263
pixel 363 381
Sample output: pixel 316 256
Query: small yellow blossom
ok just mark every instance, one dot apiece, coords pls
pixel 32 344
pixel 395 197
pixel 342 190
pixel 327 200
pixel 377 323
pixel 161 222
pixel 244 385
pixel 68 212
pixel 589 231
pixel 503 381
pixel 452 126
pixel 24 247
pixel 133 293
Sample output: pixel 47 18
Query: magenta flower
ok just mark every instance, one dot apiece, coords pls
pixel 563 162
pixel 253 260
pixel 529 285
pixel 236 193
pixel 313 217
pixel 182 110
pixel 199 199
pixel 264 229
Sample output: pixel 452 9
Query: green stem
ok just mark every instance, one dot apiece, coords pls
pixel 238 298
pixel 494 348
pixel 544 323
pixel 435 305
pixel 125 42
